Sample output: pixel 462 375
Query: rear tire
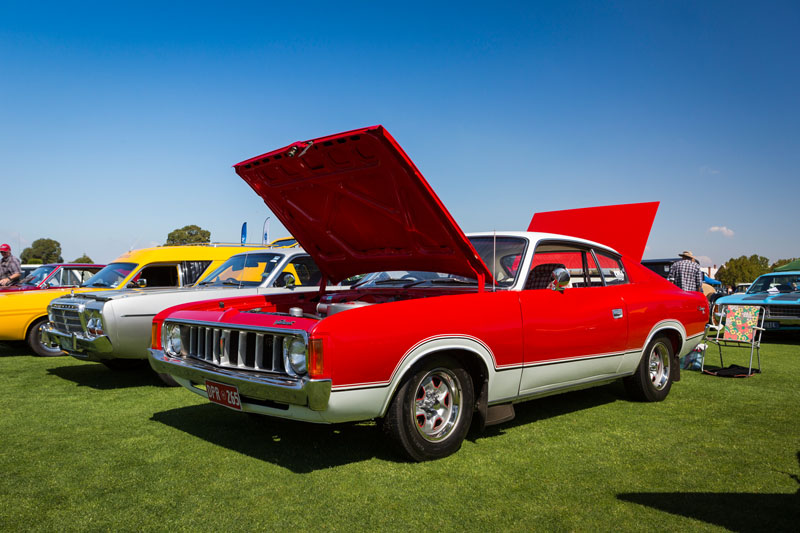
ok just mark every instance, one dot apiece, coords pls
pixel 653 377
pixel 432 410
pixel 37 344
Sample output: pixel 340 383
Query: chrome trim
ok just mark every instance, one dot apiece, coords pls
pixel 616 313
pixel 259 349
pixel 302 391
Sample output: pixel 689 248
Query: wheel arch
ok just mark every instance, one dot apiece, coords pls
pixel 31 323
pixel 673 330
pixel 476 358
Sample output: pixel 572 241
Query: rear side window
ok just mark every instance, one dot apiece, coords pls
pixel 612 269
pixel 192 270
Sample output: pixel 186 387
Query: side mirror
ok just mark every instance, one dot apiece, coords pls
pixel 140 283
pixel 560 279
pixel 285 280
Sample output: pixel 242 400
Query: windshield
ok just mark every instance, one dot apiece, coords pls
pixel 503 256
pixel 245 270
pixel 38 275
pixel 505 253
pixel 781 283
pixel 111 276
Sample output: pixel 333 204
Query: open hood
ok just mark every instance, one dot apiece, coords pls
pixel 357 204
pixel 624 227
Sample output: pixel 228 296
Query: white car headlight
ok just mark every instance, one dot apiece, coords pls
pixel 172 339
pixel 294 356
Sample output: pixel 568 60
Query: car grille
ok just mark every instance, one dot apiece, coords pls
pixel 777 311
pixel 66 318
pixel 230 348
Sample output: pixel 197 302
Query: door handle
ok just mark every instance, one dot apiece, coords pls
pixel 616 313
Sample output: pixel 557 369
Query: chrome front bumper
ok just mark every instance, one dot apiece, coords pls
pixel 78 345
pixel 303 392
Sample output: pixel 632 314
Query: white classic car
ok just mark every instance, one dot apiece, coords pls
pixel 113 327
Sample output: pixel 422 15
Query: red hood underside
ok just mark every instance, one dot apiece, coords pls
pixel 356 203
pixel 624 227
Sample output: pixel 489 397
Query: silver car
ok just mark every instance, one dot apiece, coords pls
pixel 113 327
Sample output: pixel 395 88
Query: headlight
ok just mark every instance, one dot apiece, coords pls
pixel 172 339
pixel 294 356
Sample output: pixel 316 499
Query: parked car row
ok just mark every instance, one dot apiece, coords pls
pixel 443 331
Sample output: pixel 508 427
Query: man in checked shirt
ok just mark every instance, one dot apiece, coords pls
pixel 686 273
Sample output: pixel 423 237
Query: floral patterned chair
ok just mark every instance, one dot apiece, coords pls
pixel 736 325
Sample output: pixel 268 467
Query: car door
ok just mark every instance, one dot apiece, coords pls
pixel 575 335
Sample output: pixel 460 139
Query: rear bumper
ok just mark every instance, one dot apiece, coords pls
pixel 303 392
pixel 79 345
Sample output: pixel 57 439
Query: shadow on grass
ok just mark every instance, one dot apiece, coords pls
pixel 98 376
pixel 737 511
pixel 298 446
pixel 14 349
pixel 557 405
pixel 791 338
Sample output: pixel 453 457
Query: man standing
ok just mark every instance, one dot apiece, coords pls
pixel 10 273
pixel 686 273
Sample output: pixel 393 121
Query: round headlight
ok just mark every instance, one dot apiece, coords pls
pixel 172 339
pixel 294 355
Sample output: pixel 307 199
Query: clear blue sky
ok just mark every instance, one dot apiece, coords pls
pixel 120 123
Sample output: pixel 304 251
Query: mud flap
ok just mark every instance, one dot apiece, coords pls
pixel 675 369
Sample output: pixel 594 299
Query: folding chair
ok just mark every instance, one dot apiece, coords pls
pixel 736 325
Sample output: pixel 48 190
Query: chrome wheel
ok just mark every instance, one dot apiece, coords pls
pixel 658 366
pixel 39 341
pixel 437 404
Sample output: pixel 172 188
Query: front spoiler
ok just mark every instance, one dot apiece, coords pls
pixel 78 346
pixel 303 392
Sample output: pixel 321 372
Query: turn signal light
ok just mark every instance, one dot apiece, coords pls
pixel 155 336
pixel 315 366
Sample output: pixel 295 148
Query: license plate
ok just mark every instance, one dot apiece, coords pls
pixel 771 324
pixel 223 394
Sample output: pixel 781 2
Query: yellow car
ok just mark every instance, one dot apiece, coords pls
pixel 22 314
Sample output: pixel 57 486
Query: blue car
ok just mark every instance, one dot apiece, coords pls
pixel 779 293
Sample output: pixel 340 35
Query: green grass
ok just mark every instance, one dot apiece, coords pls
pixel 85 448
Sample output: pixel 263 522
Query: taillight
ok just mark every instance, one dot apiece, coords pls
pixel 315 364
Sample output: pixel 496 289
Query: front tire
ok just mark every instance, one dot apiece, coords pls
pixel 653 377
pixel 38 345
pixel 432 410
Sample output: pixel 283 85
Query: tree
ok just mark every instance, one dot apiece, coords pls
pixel 743 269
pixel 781 262
pixel 45 250
pixel 84 259
pixel 188 235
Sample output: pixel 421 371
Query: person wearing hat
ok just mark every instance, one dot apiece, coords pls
pixel 10 272
pixel 686 273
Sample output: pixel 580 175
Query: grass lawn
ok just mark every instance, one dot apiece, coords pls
pixel 85 448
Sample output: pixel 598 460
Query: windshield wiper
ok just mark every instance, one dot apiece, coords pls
pixel 455 281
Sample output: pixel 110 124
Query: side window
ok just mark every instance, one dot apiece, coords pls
pixel 304 271
pixel 55 279
pixel 160 275
pixel 549 256
pixel 69 277
pixel 611 268
pixel 86 274
pixel 192 270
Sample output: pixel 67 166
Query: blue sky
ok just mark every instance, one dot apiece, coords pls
pixel 120 123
